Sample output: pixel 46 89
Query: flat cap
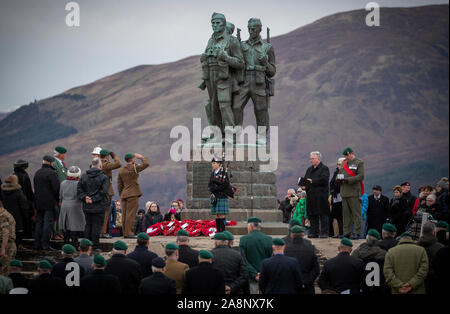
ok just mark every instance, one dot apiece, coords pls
pixel 377 187
pixel 48 158
pixel 99 260
pixel 228 235
pixel 346 241
pixel 374 233
pixel 205 254
pixel 60 150
pixel 44 264
pixel 389 227
pixel 120 245
pixel 86 242
pixel 347 151
pixel 172 246
pixel 143 236
pixel 68 249
pixel 278 242
pixel 15 263
pixel 182 233
pixel 159 262
pixel 253 219
pixel 297 229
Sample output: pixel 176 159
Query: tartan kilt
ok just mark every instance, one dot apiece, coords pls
pixel 221 207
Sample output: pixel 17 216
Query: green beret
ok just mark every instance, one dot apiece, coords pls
pixel 346 241
pixel 297 229
pixel 104 152
pixel 228 235
pixel 295 222
pixel 129 156
pixel 16 263
pixel 389 227
pixel 442 224
pixel 172 246
pixel 346 151
pixel 86 242
pixel 220 236
pixel 44 264
pixel 182 233
pixel 120 245
pixel 68 249
pixel 99 260
pixel 278 242
pixel 406 234
pixel 143 236
pixel 253 219
pixel 60 149
pixel 205 254
pixel 374 233
pixel 218 16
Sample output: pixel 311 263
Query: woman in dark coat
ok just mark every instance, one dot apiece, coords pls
pixel 153 215
pixel 15 203
pixel 399 211
pixel 317 191
pixel 24 181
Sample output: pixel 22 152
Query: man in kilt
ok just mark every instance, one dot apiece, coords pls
pixel 219 186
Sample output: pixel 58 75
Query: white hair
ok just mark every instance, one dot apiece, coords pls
pixel 432 196
pixel 96 163
pixel 316 153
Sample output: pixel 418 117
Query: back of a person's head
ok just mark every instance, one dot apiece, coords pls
pixel 428 228
pixel 96 162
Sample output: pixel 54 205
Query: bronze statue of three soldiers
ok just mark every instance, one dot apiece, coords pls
pixel 233 72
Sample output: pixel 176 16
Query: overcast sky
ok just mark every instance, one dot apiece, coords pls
pixel 40 56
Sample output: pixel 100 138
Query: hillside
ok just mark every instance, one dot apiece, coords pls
pixel 383 91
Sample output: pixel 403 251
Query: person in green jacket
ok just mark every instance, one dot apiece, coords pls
pixel 300 209
pixel 255 247
pixel 59 164
pixel 406 267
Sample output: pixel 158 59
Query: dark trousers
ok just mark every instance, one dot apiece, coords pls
pixel 336 213
pixel 71 237
pixel 94 223
pixel 319 225
pixel 43 229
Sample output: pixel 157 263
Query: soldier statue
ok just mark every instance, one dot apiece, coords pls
pixel 220 61
pixel 258 85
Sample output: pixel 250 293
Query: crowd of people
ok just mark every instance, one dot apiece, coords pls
pixel 342 208
pixel 406 237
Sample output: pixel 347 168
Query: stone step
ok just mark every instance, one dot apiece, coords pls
pixel 29 244
pixel 260 202
pixel 235 214
pixel 270 228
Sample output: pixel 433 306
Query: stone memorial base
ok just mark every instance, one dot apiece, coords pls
pixel 256 195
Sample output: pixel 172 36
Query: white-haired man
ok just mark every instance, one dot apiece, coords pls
pixel 317 190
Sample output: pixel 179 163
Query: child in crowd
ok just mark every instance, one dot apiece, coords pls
pixel 300 210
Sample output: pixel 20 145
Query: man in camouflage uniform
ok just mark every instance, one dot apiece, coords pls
pixel 260 67
pixel 222 56
pixel 107 168
pixel 7 238
pixel 352 170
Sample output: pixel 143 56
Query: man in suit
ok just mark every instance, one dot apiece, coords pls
pixel 158 283
pixel 98 281
pixel 231 264
pixel 45 283
pixel 255 247
pixel 204 279
pixel 186 254
pixel 142 255
pixel 305 253
pixel 378 209
pixel 280 274
pixel 175 269
pixel 343 273
pixel 130 191
pixel 107 168
pixel 127 270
